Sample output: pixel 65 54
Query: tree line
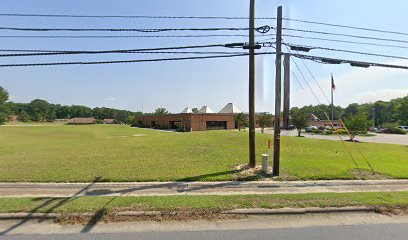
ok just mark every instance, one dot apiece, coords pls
pixel 39 110
pixel 380 113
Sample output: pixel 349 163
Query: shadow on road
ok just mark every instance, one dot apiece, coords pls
pixel 52 203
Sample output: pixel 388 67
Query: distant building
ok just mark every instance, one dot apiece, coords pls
pixel 315 121
pixel 109 121
pixel 204 119
pixel 79 121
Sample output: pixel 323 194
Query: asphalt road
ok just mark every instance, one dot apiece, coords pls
pixel 361 232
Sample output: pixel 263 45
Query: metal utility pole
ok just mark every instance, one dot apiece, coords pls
pixel 278 63
pixel 252 153
pixel 286 90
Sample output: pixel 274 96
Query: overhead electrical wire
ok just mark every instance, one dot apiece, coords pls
pixel 127 16
pixel 131 36
pixel 348 51
pixel 347 26
pixel 128 61
pixel 113 52
pixel 346 41
pixel 297 80
pixel 315 80
pixel 120 50
pixel 353 63
pixel 347 35
pixel 262 29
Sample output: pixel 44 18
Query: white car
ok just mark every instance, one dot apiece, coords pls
pixel 405 128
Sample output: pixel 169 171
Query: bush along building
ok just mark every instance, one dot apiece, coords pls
pixel 187 120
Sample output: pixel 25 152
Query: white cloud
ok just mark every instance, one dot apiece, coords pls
pixel 110 99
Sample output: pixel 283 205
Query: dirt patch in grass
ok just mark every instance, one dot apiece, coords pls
pixel 364 174
pixel 187 215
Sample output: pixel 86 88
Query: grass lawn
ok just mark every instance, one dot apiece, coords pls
pixel 121 153
pixel 215 203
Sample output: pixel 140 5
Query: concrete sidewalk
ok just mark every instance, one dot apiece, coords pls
pixel 197 188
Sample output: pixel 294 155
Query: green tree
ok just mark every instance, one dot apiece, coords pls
pixel 300 119
pixel 265 120
pixel 356 124
pixel 401 111
pixel 23 116
pixel 241 120
pixel 4 110
pixel 160 111
pixel 40 110
pixel 194 110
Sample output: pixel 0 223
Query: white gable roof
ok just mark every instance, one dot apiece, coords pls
pixel 187 110
pixel 230 108
pixel 205 109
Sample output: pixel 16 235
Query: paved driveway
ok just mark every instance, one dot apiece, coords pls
pixel 378 138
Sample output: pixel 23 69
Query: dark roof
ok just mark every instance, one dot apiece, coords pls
pixel 81 120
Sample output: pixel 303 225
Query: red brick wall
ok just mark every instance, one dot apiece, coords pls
pixel 195 122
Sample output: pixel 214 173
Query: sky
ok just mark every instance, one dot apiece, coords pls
pixel 195 83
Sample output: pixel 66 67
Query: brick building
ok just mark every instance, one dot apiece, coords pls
pixel 189 121
pixel 204 119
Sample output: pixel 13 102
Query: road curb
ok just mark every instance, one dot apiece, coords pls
pixel 253 211
pixel 283 211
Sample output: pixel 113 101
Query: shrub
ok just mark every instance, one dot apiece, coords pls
pixel 317 131
pixel 397 131
pixel 328 132
pixel 389 125
pixel 341 131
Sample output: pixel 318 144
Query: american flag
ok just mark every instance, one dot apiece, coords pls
pixel 332 83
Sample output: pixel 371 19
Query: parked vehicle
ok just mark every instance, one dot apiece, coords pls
pixel 373 129
pixel 405 128
pixel 310 128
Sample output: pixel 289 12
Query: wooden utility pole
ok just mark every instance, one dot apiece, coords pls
pixel 252 153
pixel 278 63
pixel 286 90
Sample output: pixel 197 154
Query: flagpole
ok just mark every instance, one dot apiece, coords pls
pixel 332 105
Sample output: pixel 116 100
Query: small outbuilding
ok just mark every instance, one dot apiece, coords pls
pixel 109 121
pixel 79 121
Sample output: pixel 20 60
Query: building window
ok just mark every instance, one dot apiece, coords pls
pixel 176 124
pixel 216 125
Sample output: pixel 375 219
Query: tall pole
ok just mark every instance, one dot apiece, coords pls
pixel 278 63
pixel 252 153
pixel 286 90
pixel 332 105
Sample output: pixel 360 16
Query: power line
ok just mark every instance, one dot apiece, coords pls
pixel 305 78
pixel 315 80
pixel 118 50
pixel 348 51
pixel 297 80
pixel 346 41
pixel 262 29
pixel 347 26
pixel 353 63
pixel 133 36
pixel 128 61
pixel 307 83
pixel 127 16
pixel 347 35
pixel 122 52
